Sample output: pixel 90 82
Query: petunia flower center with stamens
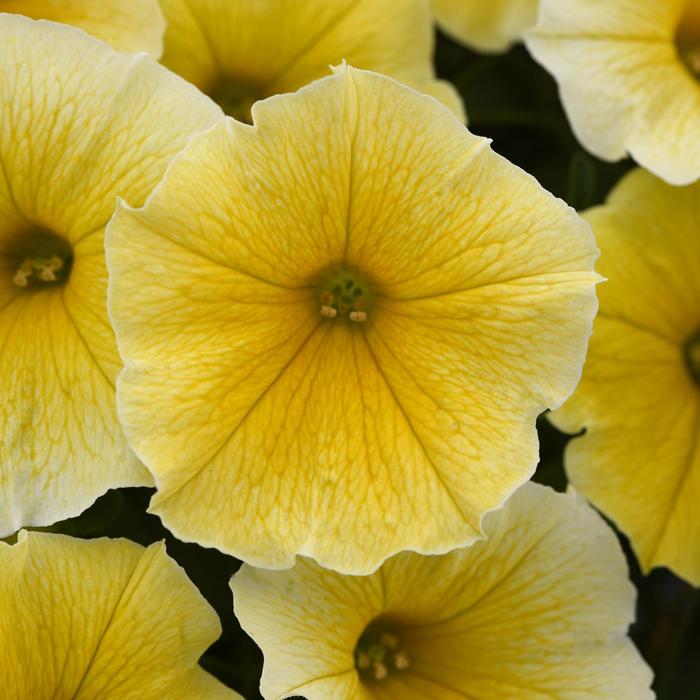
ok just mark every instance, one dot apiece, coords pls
pixel 691 352
pixel 379 653
pixel 41 260
pixel 345 294
pixel 688 37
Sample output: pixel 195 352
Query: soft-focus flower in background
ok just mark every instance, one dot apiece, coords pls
pixel 128 25
pixel 539 610
pixel 639 398
pixel 238 51
pixel 79 125
pixel 340 325
pixel 491 26
pixel 103 619
pixel 629 76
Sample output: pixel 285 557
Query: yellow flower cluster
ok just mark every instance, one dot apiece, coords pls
pixel 321 317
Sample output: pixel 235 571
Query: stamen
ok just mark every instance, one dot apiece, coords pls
pixel 358 316
pixel 42 269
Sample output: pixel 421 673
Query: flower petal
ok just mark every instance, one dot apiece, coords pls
pixel 101 618
pixel 127 25
pixel 80 124
pixel 639 461
pixel 485 26
pixel 622 82
pixel 273 431
pixel 539 610
pixel 273 46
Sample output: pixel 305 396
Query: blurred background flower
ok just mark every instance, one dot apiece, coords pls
pixel 128 25
pixel 238 51
pixel 639 398
pixel 628 73
pixel 538 610
pixel 80 125
pixel 101 619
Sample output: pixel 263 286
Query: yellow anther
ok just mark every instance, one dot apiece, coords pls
pixel 358 316
pixel 328 312
pixel 401 661
pixel 380 671
pixel 41 268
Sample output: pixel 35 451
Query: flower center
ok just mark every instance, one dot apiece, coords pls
pixel 691 352
pixel 41 259
pixel 236 97
pixel 688 37
pixel 378 654
pixel 345 294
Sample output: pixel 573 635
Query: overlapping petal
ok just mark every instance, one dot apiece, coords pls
pixel 128 25
pixel 639 460
pixel 539 610
pixel 485 26
pixel 239 51
pixel 101 619
pixel 272 430
pixel 79 125
pixel 623 81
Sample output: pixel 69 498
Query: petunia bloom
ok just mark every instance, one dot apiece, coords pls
pixel 238 51
pixel 491 26
pixel 79 125
pixel 103 619
pixel 539 610
pixel 639 398
pixel 128 25
pixel 629 77
pixel 339 326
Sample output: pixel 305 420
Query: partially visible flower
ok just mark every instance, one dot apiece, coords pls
pixel 79 125
pixel 639 398
pixel 539 610
pixel 629 77
pixel 238 51
pixel 103 619
pixel 491 26
pixel 339 326
pixel 128 25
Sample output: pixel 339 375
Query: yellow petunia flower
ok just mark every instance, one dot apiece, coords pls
pixel 639 398
pixel 128 25
pixel 629 77
pixel 238 51
pixel 339 326
pixel 79 125
pixel 539 610
pixel 491 26
pixel 105 619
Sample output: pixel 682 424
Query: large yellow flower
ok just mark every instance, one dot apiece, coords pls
pixel 79 125
pixel 629 76
pixel 339 326
pixel 538 611
pixel 128 25
pixel 485 25
pixel 238 51
pixel 105 619
pixel 639 398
